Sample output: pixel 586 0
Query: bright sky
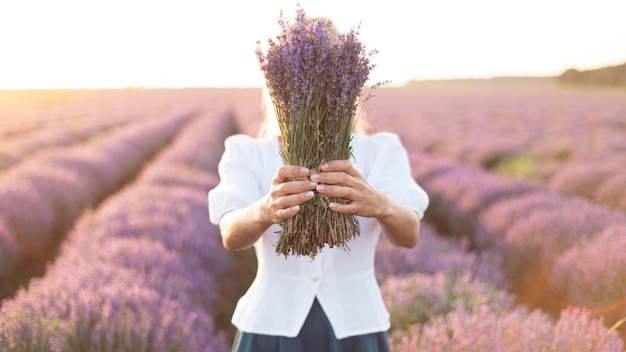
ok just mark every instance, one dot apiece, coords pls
pixel 194 43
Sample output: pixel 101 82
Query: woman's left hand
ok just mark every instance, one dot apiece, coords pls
pixel 339 178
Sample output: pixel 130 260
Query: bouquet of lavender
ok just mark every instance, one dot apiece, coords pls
pixel 315 80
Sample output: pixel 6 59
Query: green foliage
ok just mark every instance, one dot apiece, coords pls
pixel 521 166
pixel 607 76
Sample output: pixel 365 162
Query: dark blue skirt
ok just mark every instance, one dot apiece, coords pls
pixel 316 335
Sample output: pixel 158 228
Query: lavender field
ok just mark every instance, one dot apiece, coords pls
pixel 105 242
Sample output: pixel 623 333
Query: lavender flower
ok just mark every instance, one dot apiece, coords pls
pixel 581 179
pixel 426 167
pixel 500 216
pixel 417 298
pixel 315 82
pixel 530 246
pixel 485 328
pixel 10 254
pixel 438 253
pixel 42 197
pixel 576 330
pixel 612 192
pixel 489 329
pixel 592 272
pixel 459 197
pixel 137 274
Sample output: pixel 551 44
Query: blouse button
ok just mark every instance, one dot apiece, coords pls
pixel 315 277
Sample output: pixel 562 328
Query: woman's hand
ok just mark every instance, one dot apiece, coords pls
pixel 290 188
pixel 339 178
pixel 241 228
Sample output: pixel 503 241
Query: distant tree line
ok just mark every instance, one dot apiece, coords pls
pixel 610 75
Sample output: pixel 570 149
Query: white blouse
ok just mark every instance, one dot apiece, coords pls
pixel 281 295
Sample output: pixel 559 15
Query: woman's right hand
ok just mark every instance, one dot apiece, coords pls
pixel 290 188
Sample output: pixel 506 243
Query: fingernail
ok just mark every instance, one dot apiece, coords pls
pixel 315 177
pixel 324 166
pixel 312 184
pixel 332 205
pixel 309 194
pixel 304 171
pixel 320 187
pixel 295 208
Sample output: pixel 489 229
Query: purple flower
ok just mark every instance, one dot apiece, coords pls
pixel 417 298
pixel 489 329
pixel 531 244
pixel 498 217
pixel 459 197
pixel 612 192
pixel 315 80
pixel 582 179
pixel 311 75
pixel 438 253
pixel 592 272
pixel 139 273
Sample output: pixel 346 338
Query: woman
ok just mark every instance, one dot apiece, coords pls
pixel 332 302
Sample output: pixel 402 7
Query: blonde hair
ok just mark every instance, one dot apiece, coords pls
pixel 269 127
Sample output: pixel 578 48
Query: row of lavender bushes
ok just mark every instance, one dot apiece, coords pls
pixel 65 109
pixel 14 150
pixel 480 127
pixel 27 130
pixel 443 297
pixel 140 272
pixel 41 197
pixel 545 241
pixel 25 118
pixel 602 181
pixel 571 140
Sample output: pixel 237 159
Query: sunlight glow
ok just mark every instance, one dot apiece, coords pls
pixel 194 43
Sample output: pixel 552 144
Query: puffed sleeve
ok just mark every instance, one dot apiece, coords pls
pixel 390 172
pixel 239 184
